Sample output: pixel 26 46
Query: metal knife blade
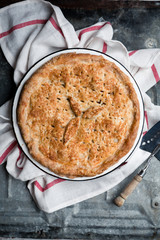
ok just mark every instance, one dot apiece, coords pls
pixel 151 139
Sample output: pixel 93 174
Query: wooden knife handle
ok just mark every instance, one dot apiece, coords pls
pixel 119 201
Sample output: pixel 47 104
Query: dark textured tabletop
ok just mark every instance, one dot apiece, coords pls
pixel 137 25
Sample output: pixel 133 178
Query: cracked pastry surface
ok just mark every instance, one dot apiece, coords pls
pixel 78 114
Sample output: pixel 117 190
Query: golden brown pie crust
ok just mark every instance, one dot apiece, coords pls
pixel 78 114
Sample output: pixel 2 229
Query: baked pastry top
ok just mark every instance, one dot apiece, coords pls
pixel 78 114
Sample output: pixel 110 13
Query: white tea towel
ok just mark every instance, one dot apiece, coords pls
pixel 32 29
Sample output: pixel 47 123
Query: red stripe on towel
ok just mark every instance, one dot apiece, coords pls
pixel 93 28
pixel 7 151
pixel 49 185
pixel 56 26
pixel 122 164
pixel 144 133
pixel 132 52
pixel 155 73
pixel 22 25
pixel 104 50
pixel 146 118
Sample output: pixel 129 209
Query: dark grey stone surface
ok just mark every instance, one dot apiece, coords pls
pixel 7 86
pixel 96 218
pixel 136 28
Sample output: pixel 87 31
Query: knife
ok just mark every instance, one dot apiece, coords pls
pixel 150 143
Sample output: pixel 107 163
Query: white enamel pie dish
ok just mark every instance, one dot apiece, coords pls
pixel 29 74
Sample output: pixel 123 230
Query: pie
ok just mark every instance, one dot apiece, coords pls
pixel 78 114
